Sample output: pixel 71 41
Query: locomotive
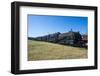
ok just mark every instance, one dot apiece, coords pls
pixel 68 38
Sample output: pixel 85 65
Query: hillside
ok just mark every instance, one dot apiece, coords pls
pixel 38 50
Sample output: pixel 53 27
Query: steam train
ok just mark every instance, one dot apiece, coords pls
pixel 68 38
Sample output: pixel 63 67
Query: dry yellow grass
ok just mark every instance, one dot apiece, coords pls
pixel 38 50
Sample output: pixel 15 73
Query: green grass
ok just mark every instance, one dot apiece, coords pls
pixel 39 50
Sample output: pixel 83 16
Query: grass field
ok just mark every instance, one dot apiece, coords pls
pixel 38 50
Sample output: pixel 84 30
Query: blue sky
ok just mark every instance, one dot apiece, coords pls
pixel 39 25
